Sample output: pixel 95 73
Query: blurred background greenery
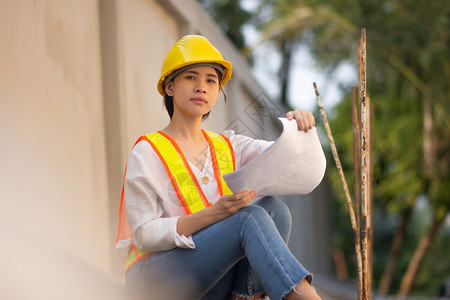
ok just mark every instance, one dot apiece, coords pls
pixel 408 74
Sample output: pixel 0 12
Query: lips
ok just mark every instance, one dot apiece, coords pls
pixel 199 100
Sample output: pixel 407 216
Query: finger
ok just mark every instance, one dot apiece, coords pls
pixel 241 195
pixel 308 120
pixel 237 200
pixel 289 115
pixel 246 194
pixel 300 120
pixel 251 195
pixel 312 120
pixel 232 203
pixel 248 198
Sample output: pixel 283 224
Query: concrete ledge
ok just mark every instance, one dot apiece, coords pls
pixel 32 268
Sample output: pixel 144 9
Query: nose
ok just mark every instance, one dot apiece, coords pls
pixel 200 88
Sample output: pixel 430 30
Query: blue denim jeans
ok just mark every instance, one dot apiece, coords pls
pixel 245 254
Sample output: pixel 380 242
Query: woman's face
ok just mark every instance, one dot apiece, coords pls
pixel 194 91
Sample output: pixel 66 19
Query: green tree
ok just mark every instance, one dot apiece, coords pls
pixel 230 16
pixel 408 70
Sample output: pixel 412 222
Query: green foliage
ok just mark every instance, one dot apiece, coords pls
pixel 230 16
pixel 397 149
pixel 407 64
pixel 436 267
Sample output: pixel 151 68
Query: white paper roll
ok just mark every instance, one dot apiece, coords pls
pixel 294 165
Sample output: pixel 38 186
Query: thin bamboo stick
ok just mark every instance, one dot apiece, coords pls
pixel 356 153
pixel 344 183
pixel 365 162
pixel 360 279
pixel 356 158
pixel 370 200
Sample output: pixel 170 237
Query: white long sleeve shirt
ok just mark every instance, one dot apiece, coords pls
pixel 151 203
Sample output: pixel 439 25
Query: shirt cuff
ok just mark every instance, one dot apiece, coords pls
pixel 181 240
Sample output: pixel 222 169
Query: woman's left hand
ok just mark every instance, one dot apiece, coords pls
pixel 305 120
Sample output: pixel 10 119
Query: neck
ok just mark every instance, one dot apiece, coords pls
pixel 183 129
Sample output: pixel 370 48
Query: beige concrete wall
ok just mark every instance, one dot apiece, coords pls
pixel 53 178
pixel 147 32
pixel 77 88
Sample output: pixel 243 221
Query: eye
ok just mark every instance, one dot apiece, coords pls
pixel 212 81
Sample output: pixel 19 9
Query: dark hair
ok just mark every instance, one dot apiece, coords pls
pixel 168 100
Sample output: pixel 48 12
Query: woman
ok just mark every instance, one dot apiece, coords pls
pixel 188 235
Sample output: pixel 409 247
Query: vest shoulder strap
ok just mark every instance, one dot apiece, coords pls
pixel 223 159
pixel 181 176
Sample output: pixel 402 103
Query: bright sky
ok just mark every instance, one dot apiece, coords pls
pixel 303 73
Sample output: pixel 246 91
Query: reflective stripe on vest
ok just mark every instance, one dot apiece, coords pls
pixel 182 178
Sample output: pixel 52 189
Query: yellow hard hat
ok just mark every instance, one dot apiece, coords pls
pixel 192 49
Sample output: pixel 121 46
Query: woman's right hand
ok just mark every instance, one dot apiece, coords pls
pixel 229 204
pixel 222 209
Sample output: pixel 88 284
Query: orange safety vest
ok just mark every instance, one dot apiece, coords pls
pixel 183 180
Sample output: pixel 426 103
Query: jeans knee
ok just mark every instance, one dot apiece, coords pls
pixel 255 211
pixel 276 208
pixel 280 214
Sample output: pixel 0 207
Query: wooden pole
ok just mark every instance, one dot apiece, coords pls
pixel 370 200
pixel 356 158
pixel 343 182
pixel 356 152
pixel 365 163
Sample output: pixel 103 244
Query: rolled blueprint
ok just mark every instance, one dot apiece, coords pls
pixel 293 165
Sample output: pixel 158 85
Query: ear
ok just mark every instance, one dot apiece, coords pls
pixel 169 88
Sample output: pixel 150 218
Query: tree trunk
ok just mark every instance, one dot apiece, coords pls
pixel 418 257
pixel 396 246
pixel 286 47
pixel 428 151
